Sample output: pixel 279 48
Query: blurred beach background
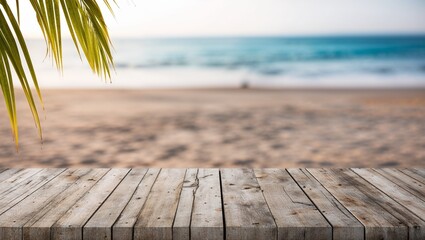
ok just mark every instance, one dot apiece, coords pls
pixel 334 89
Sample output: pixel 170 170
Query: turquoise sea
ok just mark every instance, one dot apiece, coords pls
pixel 326 61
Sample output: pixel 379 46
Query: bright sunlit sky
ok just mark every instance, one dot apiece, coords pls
pixel 181 18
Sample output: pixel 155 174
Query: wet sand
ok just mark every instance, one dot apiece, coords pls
pixel 221 128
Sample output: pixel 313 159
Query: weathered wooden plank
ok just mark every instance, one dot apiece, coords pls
pixel 19 178
pixel 414 204
pixel 416 225
pixel 199 213
pixel 100 224
pixel 156 218
pixel 70 225
pixel 16 179
pixel 246 213
pixel 295 215
pixel 410 184
pixel 181 226
pixel 207 216
pixel 413 174
pixel 418 171
pixel 12 220
pixel 38 227
pixel 382 217
pixel 344 224
pixel 7 173
pixel 21 190
pixel 123 228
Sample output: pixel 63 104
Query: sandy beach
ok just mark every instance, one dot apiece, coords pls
pixel 221 128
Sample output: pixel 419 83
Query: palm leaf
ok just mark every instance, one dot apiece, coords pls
pixel 88 30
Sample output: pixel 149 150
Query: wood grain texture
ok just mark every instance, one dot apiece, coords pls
pixel 344 224
pixel 413 173
pixel 21 190
pixel 38 227
pixel 123 228
pixel 12 221
pixel 17 179
pixel 399 194
pixel 156 218
pixel 246 213
pixel 7 173
pixel 295 215
pixel 418 171
pixel 100 224
pixel 70 225
pixel 408 183
pixel 207 218
pixel 382 217
pixel 182 220
pixel 125 204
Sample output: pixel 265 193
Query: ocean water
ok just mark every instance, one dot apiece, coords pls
pixel 360 61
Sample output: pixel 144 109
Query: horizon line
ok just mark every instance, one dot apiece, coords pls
pixel 393 34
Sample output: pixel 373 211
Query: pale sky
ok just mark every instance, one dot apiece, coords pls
pixel 181 18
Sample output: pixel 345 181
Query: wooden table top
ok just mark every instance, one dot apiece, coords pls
pixel 209 203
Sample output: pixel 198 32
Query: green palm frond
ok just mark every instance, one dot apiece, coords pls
pixel 88 30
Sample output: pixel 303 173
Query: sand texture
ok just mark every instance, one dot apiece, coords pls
pixel 221 128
